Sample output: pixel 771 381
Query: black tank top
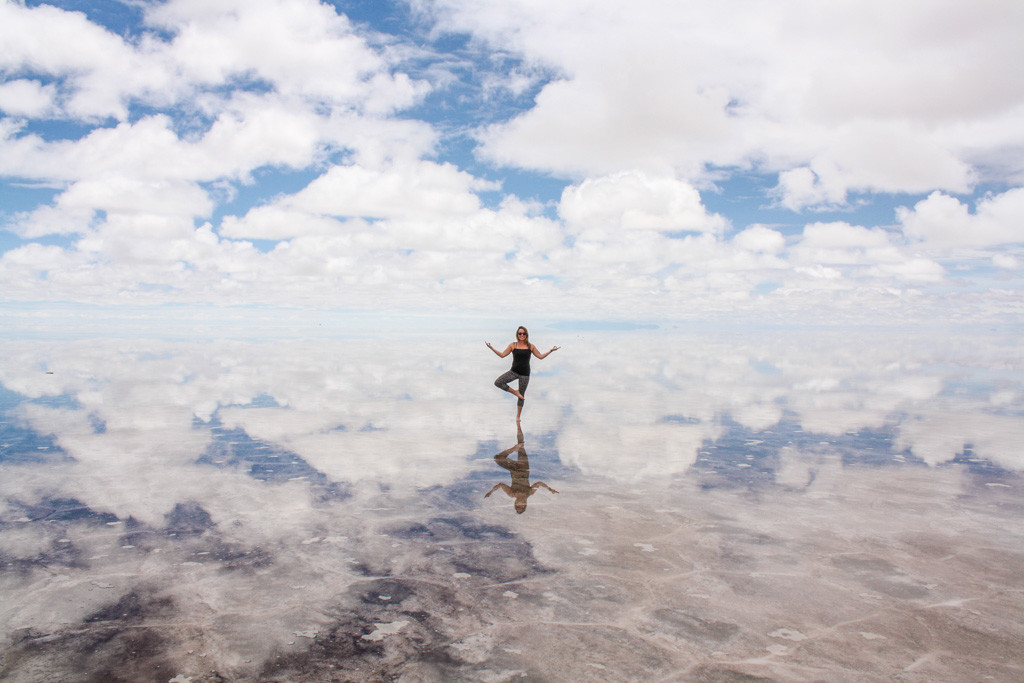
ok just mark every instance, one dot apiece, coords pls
pixel 521 361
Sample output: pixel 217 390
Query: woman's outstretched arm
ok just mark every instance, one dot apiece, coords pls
pixel 537 353
pixel 504 487
pixel 501 354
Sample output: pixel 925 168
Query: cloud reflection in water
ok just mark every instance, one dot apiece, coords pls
pixel 252 505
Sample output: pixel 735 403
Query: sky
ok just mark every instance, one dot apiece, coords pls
pixel 792 161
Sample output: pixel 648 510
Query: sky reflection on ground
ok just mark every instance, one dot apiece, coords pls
pixel 795 506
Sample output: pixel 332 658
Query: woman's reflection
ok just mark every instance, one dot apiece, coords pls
pixel 521 489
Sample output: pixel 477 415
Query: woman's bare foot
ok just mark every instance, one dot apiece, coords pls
pixel 515 392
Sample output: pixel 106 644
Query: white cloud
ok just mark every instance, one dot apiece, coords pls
pixel 913 270
pixel 275 222
pixel 424 190
pixel 216 111
pixel 858 103
pixel 98 65
pixel 428 207
pixel 801 187
pixel 820 272
pixel 150 149
pixel 842 235
pixel 302 48
pixel 633 200
pixel 896 156
pixel 759 238
pixel 24 97
pixel 1006 261
pixel 639 122
pixel 836 251
pixel 873 158
pixel 942 221
pixel 132 195
pixel 51 220
pixel 842 244
pixel 23 268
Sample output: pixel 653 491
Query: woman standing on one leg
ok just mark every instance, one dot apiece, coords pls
pixel 521 349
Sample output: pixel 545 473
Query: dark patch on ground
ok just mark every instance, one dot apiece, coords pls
pixel 720 674
pixel 188 519
pixel 20 445
pixel 348 650
pixel 708 633
pixel 64 510
pixel 266 460
pixel 113 645
pixel 132 608
pixel 449 528
pixel 482 550
pixel 385 592
pixel 438 609
pixel 59 514
pixel 58 555
pixel 744 458
pixel 233 558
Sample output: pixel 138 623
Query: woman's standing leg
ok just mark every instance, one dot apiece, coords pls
pixel 524 381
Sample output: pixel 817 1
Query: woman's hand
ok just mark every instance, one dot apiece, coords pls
pixel 537 352
pixel 497 352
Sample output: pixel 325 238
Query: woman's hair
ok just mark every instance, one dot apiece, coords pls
pixel 524 330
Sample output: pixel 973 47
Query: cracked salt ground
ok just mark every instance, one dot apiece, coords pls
pixel 343 533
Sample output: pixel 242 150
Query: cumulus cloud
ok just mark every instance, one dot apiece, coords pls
pixel 836 250
pixel 25 97
pixel 96 67
pixel 51 220
pixel 759 238
pixel 633 200
pixel 278 223
pixel 150 149
pixel 424 190
pixel 1006 261
pixel 302 48
pixel 266 152
pixel 943 221
pixel 831 101
pixel 873 158
pixel 802 187
pixel 132 195
pixel 842 236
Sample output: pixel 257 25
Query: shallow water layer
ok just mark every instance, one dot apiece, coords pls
pixel 789 506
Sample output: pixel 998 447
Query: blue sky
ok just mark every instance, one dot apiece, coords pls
pixel 794 161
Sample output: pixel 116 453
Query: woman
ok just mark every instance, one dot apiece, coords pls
pixel 521 349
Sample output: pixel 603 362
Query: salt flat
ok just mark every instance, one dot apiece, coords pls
pixel 792 507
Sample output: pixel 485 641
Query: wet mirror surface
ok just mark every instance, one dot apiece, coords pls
pixel 791 506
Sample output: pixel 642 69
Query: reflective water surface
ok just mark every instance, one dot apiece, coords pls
pixel 790 506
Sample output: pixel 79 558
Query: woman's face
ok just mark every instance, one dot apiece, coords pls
pixel 522 335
